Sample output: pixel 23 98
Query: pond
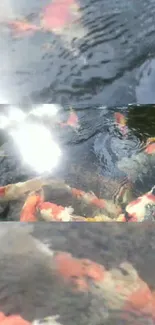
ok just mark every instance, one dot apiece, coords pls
pixel 93 62
pixel 108 154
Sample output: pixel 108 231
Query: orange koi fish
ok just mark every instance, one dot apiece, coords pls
pixel 121 123
pixel 22 27
pixel 72 121
pixel 17 190
pixel 28 213
pixel 77 271
pixel 128 290
pixel 92 199
pixel 58 14
pixel 53 212
pixel 150 149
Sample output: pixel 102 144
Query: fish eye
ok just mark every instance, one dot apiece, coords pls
pixel 124 272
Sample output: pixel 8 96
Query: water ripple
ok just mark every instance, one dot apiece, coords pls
pixel 112 39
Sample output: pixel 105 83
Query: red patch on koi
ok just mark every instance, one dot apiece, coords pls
pixel 100 203
pixel 137 201
pixel 77 193
pixel 77 270
pixel 139 299
pixel 29 208
pixel 55 209
pixel 72 121
pixel 150 197
pixel 2 190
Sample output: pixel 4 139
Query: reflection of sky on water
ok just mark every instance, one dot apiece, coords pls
pixel 37 147
pixel 34 141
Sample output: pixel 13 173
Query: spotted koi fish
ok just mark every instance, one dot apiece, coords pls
pixel 91 199
pixel 121 287
pixel 17 190
pixel 36 209
pixel 53 212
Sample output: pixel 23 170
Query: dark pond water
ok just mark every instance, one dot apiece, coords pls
pixel 107 60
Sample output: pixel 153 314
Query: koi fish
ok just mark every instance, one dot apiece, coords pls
pixel 77 271
pixel 17 190
pixel 53 212
pixel 121 287
pixel 72 121
pixel 121 123
pixel 28 213
pixel 91 199
pixel 150 149
pixel 22 27
pixel 142 209
pixel 58 14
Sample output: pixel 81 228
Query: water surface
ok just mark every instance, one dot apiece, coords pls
pixel 110 63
